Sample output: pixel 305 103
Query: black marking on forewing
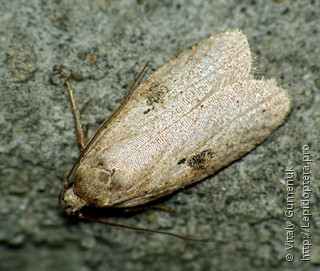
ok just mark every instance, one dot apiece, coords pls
pixel 182 161
pixel 156 93
pixel 201 159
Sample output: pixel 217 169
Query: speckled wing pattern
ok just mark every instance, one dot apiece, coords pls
pixel 193 116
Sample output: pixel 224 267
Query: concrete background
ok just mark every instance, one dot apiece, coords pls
pixel 241 208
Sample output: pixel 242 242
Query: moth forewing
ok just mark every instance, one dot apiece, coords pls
pixel 193 116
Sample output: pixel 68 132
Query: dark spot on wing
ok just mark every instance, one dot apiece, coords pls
pixel 155 95
pixel 182 161
pixel 201 159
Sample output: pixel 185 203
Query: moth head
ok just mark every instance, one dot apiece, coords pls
pixel 90 188
pixel 93 184
pixel 72 202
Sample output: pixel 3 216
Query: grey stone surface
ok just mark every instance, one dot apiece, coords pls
pixel 241 208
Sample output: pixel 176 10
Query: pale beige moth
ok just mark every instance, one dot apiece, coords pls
pixel 192 117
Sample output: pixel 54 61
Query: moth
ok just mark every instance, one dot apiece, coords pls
pixel 190 118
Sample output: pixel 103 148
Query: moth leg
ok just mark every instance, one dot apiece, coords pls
pixel 85 106
pixel 86 129
pixel 86 133
pixel 163 207
pixel 187 191
pixel 156 206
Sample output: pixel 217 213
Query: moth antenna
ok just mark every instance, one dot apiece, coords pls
pixel 76 115
pixel 91 219
pixel 74 108
pixel 138 77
